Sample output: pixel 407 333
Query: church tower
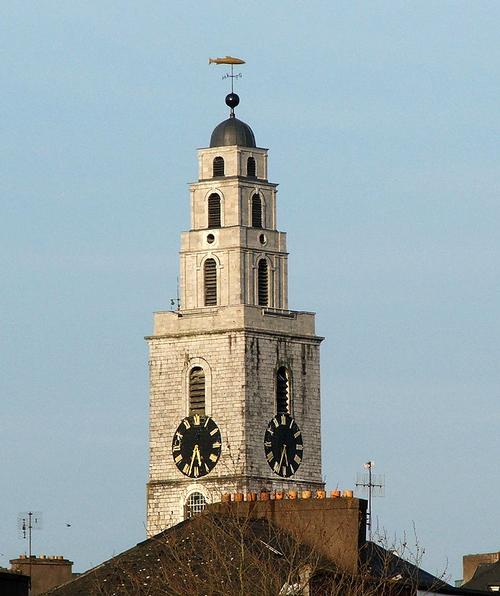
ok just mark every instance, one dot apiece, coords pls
pixel 234 374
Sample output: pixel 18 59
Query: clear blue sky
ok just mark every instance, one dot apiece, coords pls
pixel 383 126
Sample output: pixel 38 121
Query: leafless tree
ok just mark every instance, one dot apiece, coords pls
pixel 235 555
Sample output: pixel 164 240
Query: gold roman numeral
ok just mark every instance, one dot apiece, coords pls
pixel 216 445
pixel 196 420
pixel 185 469
pixel 297 459
pixel 213 457
pixel 186 424
pixel 178 458
pixel 214 431
pixel 297 434
pixel 269 457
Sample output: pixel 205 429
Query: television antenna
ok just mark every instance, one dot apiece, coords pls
pixel 27 521
pixel 374 484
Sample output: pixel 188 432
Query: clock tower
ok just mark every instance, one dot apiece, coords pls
pixel 234 373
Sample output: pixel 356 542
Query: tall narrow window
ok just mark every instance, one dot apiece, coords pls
pixel 210 276
pixel 214 211
pixel 282 391
pixel 197 391
pixel 256 211
pixel 251 167
pixel 263 283
pixel 195 504
pixel 218 166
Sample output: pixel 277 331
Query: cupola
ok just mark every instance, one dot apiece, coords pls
pixel 232 131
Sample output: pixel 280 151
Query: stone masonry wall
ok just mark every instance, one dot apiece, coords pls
pixel 240 370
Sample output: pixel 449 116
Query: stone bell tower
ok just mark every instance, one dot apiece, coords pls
pixel 233 351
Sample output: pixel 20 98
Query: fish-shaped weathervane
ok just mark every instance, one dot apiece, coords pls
pixel 226 60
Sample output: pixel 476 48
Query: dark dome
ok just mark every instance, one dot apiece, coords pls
pixel 232 132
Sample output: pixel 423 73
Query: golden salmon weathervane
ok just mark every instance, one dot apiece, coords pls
pixel 226 60
pixel 231 61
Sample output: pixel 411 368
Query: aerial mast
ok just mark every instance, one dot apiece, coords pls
pixel 374 485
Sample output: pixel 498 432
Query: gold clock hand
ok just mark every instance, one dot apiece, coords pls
pixel 198 454
pixel 192 459
pixel 283 453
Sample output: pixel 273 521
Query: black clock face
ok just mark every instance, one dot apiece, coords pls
pixel 283 445
pixel 196 446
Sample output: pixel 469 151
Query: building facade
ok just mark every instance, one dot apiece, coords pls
pixel 234 374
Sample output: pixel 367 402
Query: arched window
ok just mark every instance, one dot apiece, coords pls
pixel 214 211
pixel 218 167
pixel 195 504
pixel 251 167
pixel 256 211
pixel 210 278
pixel 197 391
pixel 282 391
pixel 263 283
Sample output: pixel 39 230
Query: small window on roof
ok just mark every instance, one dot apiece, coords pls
pixel 195 504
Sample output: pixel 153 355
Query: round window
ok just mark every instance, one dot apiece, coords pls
pixel 263 239
pixel 210 238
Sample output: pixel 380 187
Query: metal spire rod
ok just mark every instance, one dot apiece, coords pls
pixel 231 61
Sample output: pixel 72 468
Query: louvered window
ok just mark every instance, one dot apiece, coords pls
pixel 218 166
pixel 282 391
pixel 210 282
pixel 197 391
pixel 256 211
pixel 251 167
pixel 214 211
pixel 263 283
